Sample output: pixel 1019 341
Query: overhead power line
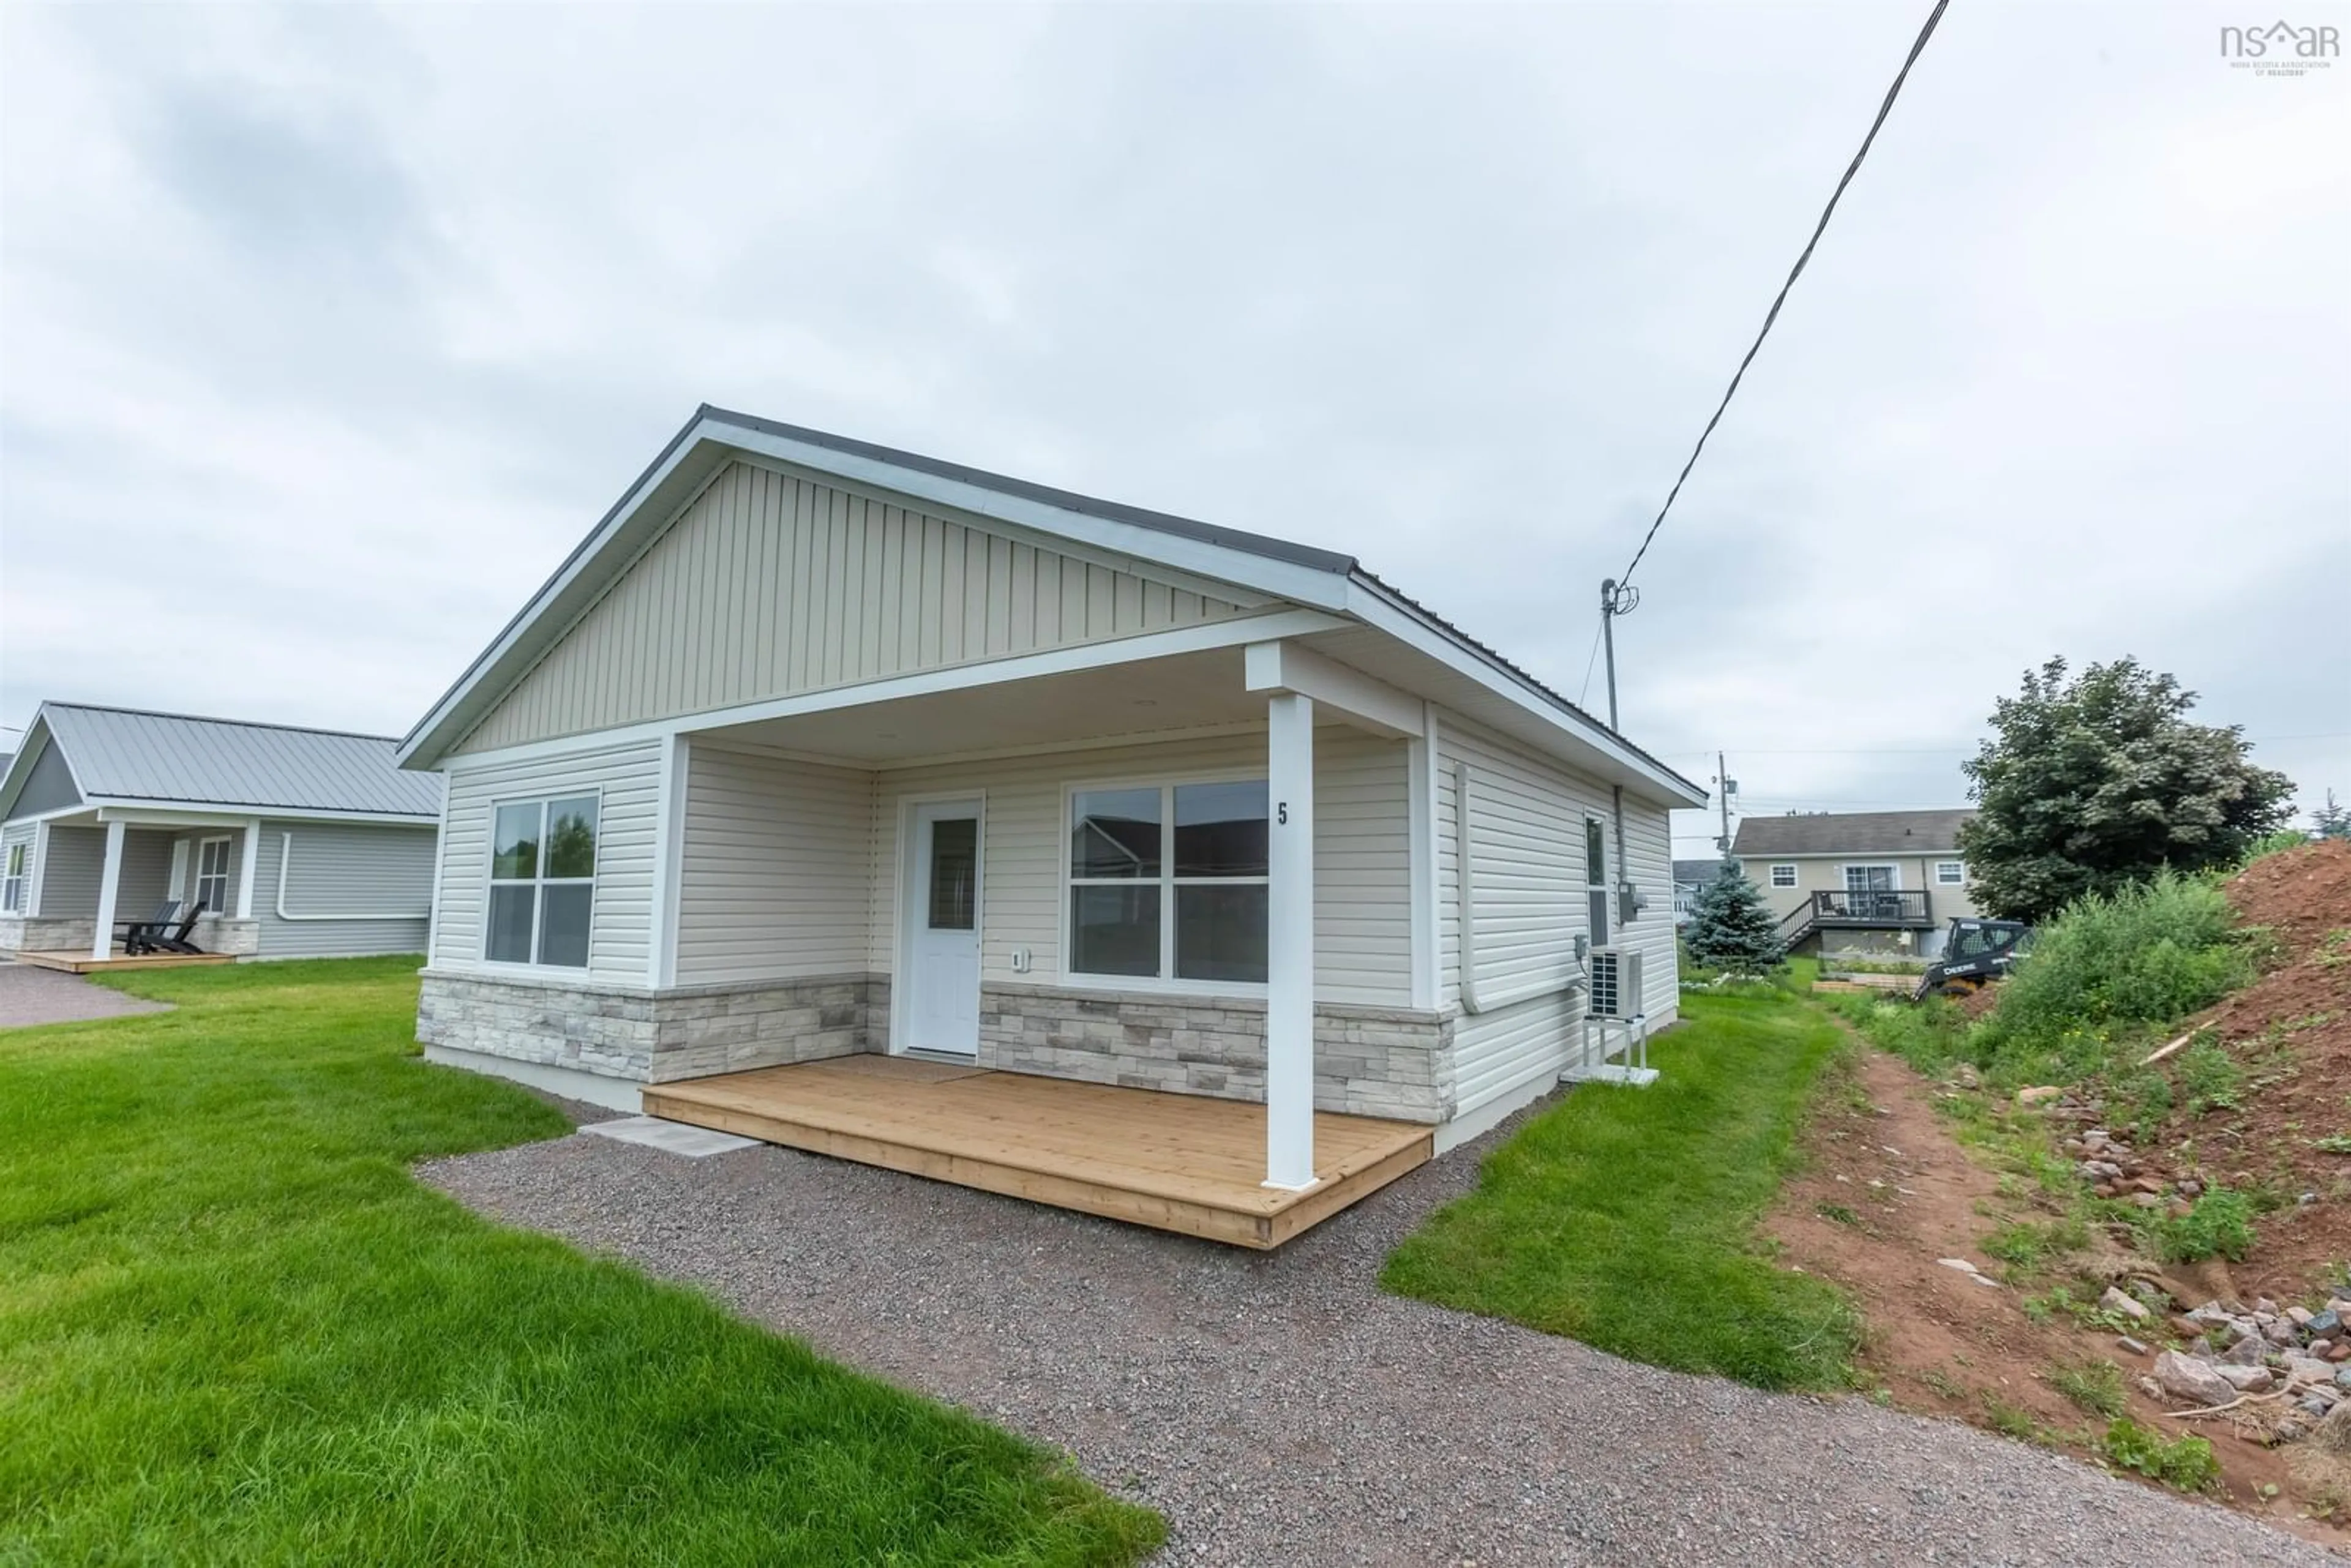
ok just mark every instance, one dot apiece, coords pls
pixel 1794 272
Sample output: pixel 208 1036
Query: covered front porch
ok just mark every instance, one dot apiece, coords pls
pixel 1175 1162
pixel 93 870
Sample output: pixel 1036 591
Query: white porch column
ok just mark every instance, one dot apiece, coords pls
pixel 669 859
pixel 1289 943
pixel 109 879
pixel 248 868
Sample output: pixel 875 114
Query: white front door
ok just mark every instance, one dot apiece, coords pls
pixel 942 935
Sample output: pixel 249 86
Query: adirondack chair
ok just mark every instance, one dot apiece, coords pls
pixel 165 931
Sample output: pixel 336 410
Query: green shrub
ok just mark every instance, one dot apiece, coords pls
pixel 2210 1077
pixel 2221 1224
pixel 2109 965
pixel 2186 1463
pixel 2276 843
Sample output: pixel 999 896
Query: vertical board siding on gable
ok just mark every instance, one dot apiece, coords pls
pixel 768 585
pixel 343 868
pixel 777 880
pixel 1362 918
pixel 621 926
pixel 1527 821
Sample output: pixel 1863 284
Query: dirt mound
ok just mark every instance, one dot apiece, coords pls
pixel 2290 1030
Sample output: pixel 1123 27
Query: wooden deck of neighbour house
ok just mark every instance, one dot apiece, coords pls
pixel 1177 1161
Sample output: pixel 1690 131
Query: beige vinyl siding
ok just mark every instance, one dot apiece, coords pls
pixel 770 584
pixel 1527 827
pixel 1362 898
pixel 621 924
pixel 343 869
pixel 778 868
pixel 1825 874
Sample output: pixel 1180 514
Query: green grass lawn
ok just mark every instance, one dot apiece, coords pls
pixel 233 1327
pixel 1626 1218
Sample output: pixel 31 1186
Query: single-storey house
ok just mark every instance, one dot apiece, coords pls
pixel 819 755
pixel 1884 883
pixel 278 843
pixel 1690 878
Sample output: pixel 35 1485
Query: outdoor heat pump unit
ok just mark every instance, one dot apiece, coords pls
pixel 1616 1024
pixel 1616 984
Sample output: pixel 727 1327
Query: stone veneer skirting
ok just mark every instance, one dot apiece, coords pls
pixel 74 934
pixel 650 1037
pixel 1368 1060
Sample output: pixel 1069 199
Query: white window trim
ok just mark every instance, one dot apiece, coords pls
pixel 1958 880
pixel 543 798
pixel 1166 982
pixel 224 876
pixel 15 868
pixel 1795 877
pixel 1892 868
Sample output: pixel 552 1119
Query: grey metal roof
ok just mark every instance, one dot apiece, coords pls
pixel 1851 833
pixel 125 754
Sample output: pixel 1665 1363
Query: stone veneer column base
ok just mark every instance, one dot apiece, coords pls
pixel 1368 1061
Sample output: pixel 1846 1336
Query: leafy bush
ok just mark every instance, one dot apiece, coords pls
pixel 2186 1464
pixel 2110 964
pixel 2221 1224
pixel 2210 1077
pixel 2276 843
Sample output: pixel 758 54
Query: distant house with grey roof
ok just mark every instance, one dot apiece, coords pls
pixel 1860 881
pixel 295 842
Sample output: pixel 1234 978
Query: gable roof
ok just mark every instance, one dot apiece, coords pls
pixel 129 756
pixel 1279 569
pixel 1697 871
pixel 1851 833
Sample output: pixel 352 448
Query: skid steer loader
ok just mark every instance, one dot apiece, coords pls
pixel 1977 952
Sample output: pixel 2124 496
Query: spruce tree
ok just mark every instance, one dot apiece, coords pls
pixel 1732 928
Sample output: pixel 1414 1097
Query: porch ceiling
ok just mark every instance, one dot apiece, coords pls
pixel 1185 691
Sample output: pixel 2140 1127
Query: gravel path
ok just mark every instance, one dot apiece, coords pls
pixel 30 995
pixel 1278 1408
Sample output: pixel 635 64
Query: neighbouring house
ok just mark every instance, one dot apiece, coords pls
pixel 1689 876
pixel 850 799
pixel 1881 883
pixel 295 842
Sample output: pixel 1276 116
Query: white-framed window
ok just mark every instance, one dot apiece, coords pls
pixel 1872 878
pixel 542 880
pixel 1783 876
pixel 212 874
pixel 1950 873
pixel 12 885
pixel 1595 880
pixel 1167 883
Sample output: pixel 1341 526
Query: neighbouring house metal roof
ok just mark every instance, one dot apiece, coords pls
pixel 123 754
pixel 1851 833
pixel 1697 871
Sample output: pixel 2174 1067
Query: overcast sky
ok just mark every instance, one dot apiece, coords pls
pixel 325 333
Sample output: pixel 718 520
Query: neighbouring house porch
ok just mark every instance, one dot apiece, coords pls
pixel 1175 1162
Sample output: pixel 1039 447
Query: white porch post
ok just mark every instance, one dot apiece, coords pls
pixel 110 880
pixel 669 859
pixel 248 867
pixel 1289 943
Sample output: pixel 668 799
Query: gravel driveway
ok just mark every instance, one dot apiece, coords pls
pixel 1279 1409
pixel 30 995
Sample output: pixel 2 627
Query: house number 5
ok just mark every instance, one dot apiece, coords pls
pixel 1282 813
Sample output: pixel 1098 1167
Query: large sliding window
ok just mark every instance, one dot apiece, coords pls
pixel 542 881
pixel 1168 883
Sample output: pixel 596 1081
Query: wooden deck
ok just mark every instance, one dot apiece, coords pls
pixel 1178 1161
pixel 80 962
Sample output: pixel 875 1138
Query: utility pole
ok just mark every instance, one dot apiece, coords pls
pixel 1615 601
pixel 1723 778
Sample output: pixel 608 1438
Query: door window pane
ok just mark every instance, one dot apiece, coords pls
pixel 563 924
pixel 1221 930
pixel 1115 833
pixel 1221 830
pixel 570 838
pixel 1114 930
pixel 510 918
pixel 1596 853
pixel 514 851
pixel 955 873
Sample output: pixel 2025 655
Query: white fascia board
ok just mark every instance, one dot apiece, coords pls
pixel 1299 583
pixel 1379 611
pixel 59 813
pixel 1239 629
pixel 205 814
pixel 1857 856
